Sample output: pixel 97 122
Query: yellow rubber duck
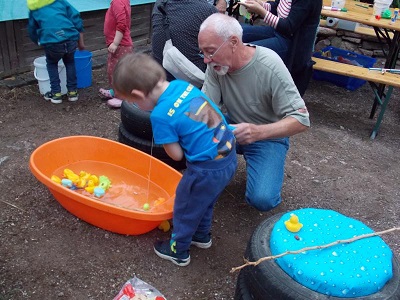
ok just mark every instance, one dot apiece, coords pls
pixel 164 226
pixel 56 179
pixel 160 200
pixel 90 186
pixel 84 175
pixel 71 176
pixel 293 224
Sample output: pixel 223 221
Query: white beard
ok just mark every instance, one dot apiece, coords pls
pixel 223 69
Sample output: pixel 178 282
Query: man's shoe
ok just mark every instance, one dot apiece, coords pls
pixel 55 98
pixel 203 242
pixel 165 251
pixel 72 96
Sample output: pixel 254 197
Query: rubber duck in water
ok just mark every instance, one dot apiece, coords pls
pixel 293 224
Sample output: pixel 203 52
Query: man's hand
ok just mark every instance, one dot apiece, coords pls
pixel 245 133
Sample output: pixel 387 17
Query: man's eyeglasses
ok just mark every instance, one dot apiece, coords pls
pixel 210 56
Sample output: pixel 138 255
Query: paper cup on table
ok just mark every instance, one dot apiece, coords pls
pixel 338 3
pixel 380 6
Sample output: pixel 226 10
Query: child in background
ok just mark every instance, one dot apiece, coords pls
pixel 58 27
pixel 188 124
pixel 117 31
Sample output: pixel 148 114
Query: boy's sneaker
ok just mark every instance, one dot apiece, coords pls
pixel 164 250
pixel 72 96
pixel 203 242
pixel 55 98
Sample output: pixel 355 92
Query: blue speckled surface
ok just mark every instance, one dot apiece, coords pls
pixel 347 270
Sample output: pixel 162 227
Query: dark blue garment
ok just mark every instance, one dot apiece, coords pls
pixel 185 18
pixel 265 167
pixel 268 37
pixel 196 194
pixel 66 52
pixel 299 61
pixel 293 39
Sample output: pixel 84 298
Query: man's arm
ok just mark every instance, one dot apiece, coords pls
pixel 247 133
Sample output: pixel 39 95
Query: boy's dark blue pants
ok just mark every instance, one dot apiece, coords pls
pixel 196 194
pixel 66 52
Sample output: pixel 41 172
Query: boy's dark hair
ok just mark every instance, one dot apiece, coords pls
pixel 137 71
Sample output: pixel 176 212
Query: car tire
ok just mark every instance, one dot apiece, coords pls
pixel 157 151
pixel 268 281
pixel 242 292
pixel 136 121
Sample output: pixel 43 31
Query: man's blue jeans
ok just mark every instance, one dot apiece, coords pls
pixel 66 52
pixel 266 36
pixel 265 164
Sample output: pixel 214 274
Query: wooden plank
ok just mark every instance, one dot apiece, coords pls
pixel 17 51
pixel 4 60
pixel 360 15
pixel 11 43
pixel 19 42
pixel 138 32
pixel 357 72
pixel 369 31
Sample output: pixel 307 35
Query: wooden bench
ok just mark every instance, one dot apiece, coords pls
pixel 368 31
pixel 376 79
pixel 360 30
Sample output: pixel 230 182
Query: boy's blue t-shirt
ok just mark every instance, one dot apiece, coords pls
pixel 185 115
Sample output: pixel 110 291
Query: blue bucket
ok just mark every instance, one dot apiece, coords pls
pixel 83 66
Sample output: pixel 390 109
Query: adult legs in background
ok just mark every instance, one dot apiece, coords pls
pixel 301 51
pixel 256 33
pixel 265 162
pixel 267 37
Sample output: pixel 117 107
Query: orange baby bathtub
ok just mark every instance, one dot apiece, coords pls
pixel 142 191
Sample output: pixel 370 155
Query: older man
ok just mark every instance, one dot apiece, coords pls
pixel 262 102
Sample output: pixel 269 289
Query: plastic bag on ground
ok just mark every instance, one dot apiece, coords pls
pixel 135 288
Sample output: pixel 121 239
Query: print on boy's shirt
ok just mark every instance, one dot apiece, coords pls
pixel 202 111
pixel 182 97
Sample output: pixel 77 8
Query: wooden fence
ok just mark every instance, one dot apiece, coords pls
pixel 17 51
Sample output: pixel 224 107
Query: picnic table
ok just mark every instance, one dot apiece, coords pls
pixel 386 31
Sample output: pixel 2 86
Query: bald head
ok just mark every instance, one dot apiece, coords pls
pixel 223 26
